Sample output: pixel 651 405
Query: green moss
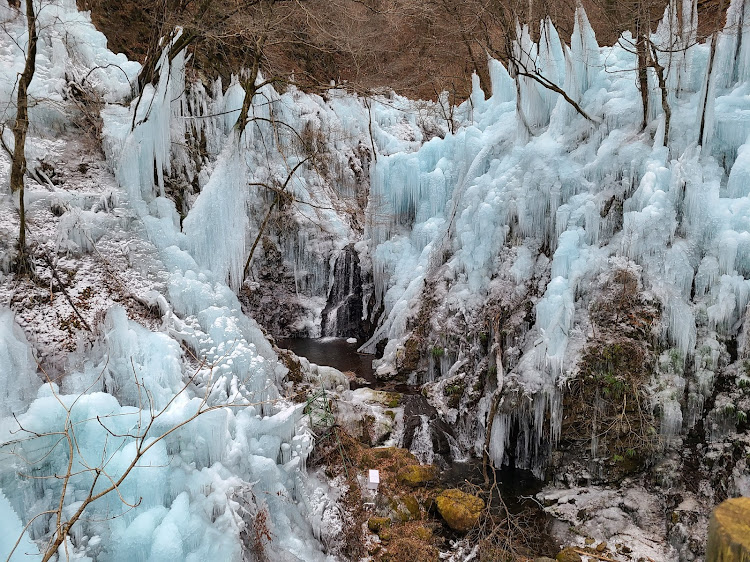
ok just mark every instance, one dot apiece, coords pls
pixel 375 524
pixel 423 533
pixel 453 389
pixel 568 555
pixel 437 352
pixel 729 531
pixel 401 455
pixel 394 400
pixel 416 476
pixel 484 337
pixel 460 510
pixel 454 392
pixel 412 505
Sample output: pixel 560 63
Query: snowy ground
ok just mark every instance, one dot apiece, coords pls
pixel 83 225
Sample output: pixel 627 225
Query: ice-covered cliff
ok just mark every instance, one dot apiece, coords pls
pixel 517 265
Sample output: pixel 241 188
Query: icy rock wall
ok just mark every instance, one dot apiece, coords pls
pixel 342 315
pixel 533 174
pixel 198 488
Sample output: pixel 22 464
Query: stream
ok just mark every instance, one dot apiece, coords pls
pixel 430 439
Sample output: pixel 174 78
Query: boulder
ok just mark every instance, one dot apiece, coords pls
pixel 729 532
pixel 459 510
pixel 417 475
pixel 405 508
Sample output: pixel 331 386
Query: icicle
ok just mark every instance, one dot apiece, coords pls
pixel 584 54
pixel 503 87
pixel 216 226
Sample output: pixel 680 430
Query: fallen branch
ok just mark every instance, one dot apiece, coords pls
pixel 46 259
pixel 592 555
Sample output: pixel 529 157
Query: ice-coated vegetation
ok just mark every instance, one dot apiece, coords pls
pixel 532 173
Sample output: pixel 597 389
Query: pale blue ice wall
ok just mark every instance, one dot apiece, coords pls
pixel 531 172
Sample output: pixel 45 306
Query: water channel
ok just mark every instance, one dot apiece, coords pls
pixel 515 486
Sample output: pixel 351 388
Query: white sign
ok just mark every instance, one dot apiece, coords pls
pixel 373 479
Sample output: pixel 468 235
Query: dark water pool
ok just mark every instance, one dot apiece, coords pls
pixel 514 484
pixel 333 352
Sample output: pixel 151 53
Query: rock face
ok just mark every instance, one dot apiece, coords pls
pixel 342 315
pixel 729 532
pixel 418 412
pixel 460 510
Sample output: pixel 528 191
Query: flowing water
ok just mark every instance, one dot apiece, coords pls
pixel 429 438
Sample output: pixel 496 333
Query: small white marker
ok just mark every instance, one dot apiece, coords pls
pixel 373 479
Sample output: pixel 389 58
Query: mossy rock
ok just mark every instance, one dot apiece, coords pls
pixel 422 533
pixel 384 452
pixel 460 510
pixel 417 475
pixel 394 401
pixel 412 505
pixel 568 555
pixel 401 456
pixel 294 366
pixel 377 524
pixel 405 508
pixel 729 532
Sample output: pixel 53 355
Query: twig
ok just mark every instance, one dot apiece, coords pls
pixel 46 259
pixel 592 555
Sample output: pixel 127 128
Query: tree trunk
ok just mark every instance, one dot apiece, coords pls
pixel 738 50
pixel 642 71
pixel 659 69
pixel 250 87
pixel 21 127
pixel 497 396
pixel 714 40
pixel 702 129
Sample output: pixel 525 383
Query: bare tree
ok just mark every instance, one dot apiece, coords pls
pixel 20 130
